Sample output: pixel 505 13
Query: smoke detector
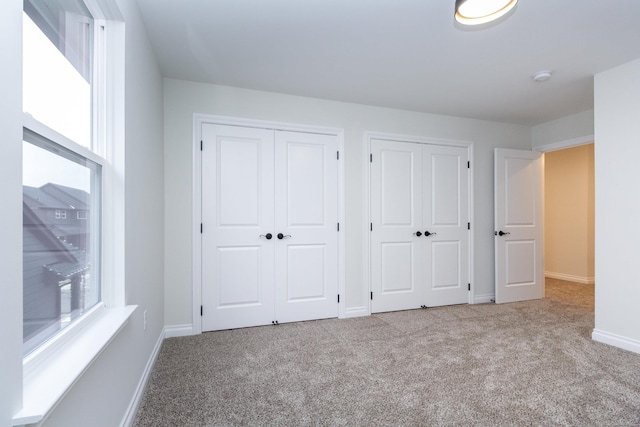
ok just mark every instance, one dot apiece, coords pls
pixel 541 76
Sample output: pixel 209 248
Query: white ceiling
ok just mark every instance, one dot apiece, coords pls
pixel 405 54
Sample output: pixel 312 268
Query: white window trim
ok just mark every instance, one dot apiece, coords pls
pixel 51 370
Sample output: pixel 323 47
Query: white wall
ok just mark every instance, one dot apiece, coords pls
pixel 183 99
pixel 11 212
pixel 617 150
pixel 102 395
pixel 567 131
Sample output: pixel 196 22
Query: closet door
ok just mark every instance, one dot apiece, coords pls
pixel 238 217
pixel 419 220
pixel 396 220
pixel 445 217
pixel 306 218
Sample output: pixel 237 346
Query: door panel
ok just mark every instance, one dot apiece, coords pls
pixel 307 216
pixel 306 164
pixel 445 269
pixel 446 216
pixel 237 207
pixel 399 186
pixel 301 286
pixel 445 187
pixel 238 182
pixel 520 264
pixel 397 268
pixel 518 210
pixel 396 216
pixel 239 269
pixel 519 191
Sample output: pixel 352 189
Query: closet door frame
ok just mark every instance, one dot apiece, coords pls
pixel 366 262
pixel 196 269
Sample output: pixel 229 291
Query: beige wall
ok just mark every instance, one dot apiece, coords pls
pixel 569 214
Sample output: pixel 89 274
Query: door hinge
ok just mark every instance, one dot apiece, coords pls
pixel 372 296
pixel 468 226
pixel 201 228
pixel 200 145
pixel 370 158
pixel 200 310
pixel 468 165
pixel 371 226
pixel 338 298
pixel 338 226
pixel 469 287
pixel 337 155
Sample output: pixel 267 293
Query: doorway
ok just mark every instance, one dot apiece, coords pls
pixel 569 217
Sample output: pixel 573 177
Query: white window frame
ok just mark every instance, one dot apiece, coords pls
pixel 51 370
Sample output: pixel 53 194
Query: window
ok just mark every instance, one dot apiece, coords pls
pixel 60 262
pixel 61 171
pixel 73 161
pixel 57 57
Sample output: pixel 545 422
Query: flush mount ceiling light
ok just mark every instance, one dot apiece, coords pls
pixel 476 12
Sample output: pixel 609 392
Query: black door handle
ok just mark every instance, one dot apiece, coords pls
pixel 268 236
pixel 283 236
pixel 427 234
pixel 417 234
pixel 502 233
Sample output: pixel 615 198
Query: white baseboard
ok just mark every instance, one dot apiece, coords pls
pixel 616 340
pixel 178 331
pixel 570 278
pixel 483 299
pixel 132 410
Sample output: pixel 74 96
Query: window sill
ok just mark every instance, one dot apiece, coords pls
pixel 45 385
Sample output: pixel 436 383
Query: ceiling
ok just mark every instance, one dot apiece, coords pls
pixel 405 54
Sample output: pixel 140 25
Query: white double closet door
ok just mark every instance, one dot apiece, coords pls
pixel 419 225
pixel 269 238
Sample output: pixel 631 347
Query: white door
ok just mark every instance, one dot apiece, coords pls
pixel 396 226
pixel 518 225
pixel 270 218
pixel 238 215
pixel 446 224
pixel 306 234
pixel 419 220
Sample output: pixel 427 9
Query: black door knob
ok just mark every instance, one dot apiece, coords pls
pixel 418 234
pixel 267 236
pixel 502 233
pixel 280 236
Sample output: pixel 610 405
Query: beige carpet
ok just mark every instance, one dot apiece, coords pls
pixel 527 363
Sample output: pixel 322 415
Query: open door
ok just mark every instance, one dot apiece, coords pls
pixel 518 225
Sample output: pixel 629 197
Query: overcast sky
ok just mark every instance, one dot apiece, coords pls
pixel 41 166
pixel 55 94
